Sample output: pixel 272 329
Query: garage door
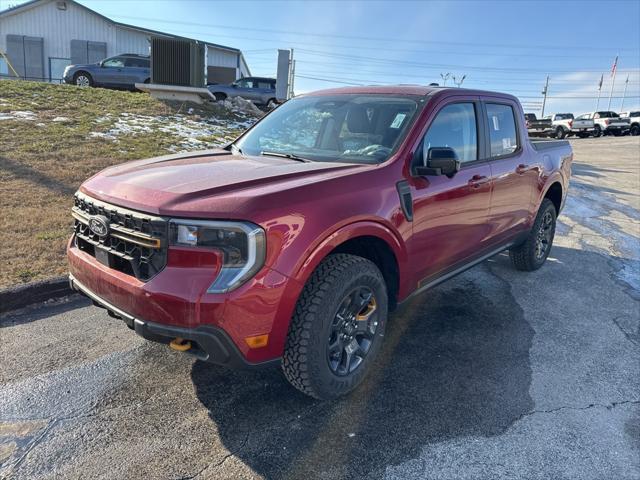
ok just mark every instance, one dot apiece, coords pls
pixel 26 56
pixel 83 51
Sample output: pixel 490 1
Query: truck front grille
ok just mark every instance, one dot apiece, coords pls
pixel 135 243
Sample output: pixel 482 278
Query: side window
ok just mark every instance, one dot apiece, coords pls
pixel 502 129
pixel 244 83
pixel 454 126
pixel 115 62
pixel 264 84
pixel 137 62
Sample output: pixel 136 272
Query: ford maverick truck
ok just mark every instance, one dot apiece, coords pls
pixel 292 244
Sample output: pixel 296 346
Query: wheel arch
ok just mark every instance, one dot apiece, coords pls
pixel 555 193
pixel 367 239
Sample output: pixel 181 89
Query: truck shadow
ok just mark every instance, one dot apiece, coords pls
pixel 455 363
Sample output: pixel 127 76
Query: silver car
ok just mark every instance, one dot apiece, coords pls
pixel 260 90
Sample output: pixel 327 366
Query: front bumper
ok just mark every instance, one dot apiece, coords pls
pixel 210 344
pixel 175 303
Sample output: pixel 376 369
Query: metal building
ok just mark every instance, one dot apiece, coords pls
pixel 41 37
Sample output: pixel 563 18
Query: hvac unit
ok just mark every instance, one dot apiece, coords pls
pixel 178 62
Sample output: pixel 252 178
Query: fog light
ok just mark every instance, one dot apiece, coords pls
pixel 257 341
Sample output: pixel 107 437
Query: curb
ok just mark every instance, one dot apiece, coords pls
pixel 27 294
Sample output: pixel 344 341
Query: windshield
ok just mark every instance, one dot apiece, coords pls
pixel 340 128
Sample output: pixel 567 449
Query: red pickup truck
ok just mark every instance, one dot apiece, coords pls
pixel 292 244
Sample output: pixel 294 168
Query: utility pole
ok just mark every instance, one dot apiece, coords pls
pixel 293 78
pixel 458 83
pixel 445 77
pixel 599 91
pixel 290 79
pixel 614 70
pixel 624 94
pixel 544 99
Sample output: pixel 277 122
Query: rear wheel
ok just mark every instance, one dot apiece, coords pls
pixel 560 133
pixel 219 97
pixel 635 130
pixel 597 131
pixel 83 79
pixel 337 328
pixel 533 252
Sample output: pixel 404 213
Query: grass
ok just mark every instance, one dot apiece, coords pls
pixel 44 158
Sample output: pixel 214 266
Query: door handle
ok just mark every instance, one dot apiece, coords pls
pixel 477 181
pixel 522 168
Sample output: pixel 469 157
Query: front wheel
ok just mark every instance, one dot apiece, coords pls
pixel 337 328
pixel 635 130
pixel 560 133
pixel 83 79
pixel 533 252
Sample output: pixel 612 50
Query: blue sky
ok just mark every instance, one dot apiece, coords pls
pixel 499 45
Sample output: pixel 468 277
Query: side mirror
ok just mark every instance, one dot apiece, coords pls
pixel 101 64
pixel 440 161
pixel 234 85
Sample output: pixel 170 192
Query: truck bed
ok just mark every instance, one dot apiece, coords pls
pixel 548 144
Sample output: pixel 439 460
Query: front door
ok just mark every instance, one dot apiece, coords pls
pixel 450 214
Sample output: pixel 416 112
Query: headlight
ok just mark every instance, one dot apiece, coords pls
pixel 242 245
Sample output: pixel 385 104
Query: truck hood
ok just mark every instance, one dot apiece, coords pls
pixel 204 183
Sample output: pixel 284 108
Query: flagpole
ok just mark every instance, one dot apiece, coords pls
pixel 613 81
pixel 599 91
pixel 624 94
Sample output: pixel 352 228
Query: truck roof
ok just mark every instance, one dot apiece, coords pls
pixel 406 90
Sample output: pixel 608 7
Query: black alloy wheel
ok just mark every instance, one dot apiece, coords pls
pixel 352 331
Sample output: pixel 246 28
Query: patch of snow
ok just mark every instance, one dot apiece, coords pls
pixel 18 115
pixel 60 119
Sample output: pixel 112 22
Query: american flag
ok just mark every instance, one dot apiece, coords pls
pixel 615 66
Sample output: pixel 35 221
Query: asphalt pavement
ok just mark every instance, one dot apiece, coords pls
pixel 494 374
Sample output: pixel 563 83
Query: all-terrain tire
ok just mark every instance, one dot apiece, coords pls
pixel 305 361
pixel 560 133
pixel 527 256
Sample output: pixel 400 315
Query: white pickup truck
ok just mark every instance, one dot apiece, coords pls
pixel 634 122
pixel 601 123
pixel 562 124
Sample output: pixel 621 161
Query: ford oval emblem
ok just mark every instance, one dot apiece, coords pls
pixel 99 225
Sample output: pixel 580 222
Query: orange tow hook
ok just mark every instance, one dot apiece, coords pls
pixel 180 344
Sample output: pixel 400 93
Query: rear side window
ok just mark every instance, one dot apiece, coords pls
pixel 502 129
pixel 455 127
pixel 137 62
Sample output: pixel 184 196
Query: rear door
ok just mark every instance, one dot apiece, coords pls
pixel 450 214
pixel 137 69
pixel 515 170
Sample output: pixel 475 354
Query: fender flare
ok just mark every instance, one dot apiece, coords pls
pixel 556 177
pixel 312 257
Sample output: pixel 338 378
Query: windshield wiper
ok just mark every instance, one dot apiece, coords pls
pixel 290 156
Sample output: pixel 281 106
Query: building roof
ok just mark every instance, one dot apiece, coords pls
pixel 34 3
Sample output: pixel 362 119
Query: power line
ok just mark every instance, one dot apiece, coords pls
pixel 392 61
pixel 366 38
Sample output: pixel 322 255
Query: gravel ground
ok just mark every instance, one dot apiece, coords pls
pixel 495 374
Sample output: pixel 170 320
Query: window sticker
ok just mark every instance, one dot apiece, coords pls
pixel 506 144
pixel 397 122
pixel 496 124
